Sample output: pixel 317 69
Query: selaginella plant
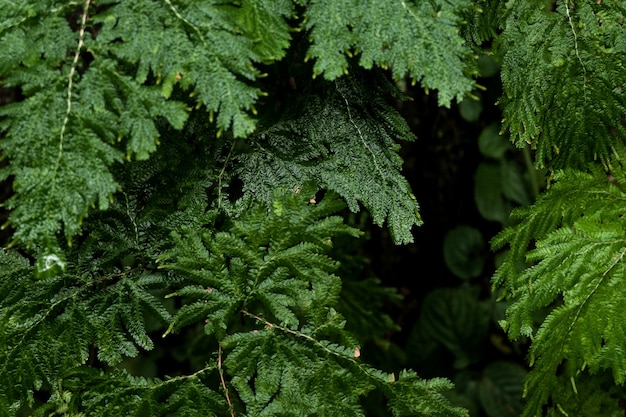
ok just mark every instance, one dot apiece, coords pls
pixel 564 78
pixel 183 169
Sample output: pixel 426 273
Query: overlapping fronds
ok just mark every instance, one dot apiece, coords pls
pixel 103 308
pixel 569 298
pixel 564 79
pixel 54 325
pixel 272 260
pixel 271 270
pixel 97 76
pixel 95 88
pixel 564 76
pixel 135 142
pixel 117 393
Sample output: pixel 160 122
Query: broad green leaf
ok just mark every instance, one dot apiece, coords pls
pixel 463 251
pixel 470 109
pixel 487 66
pixel 488 193
pixel 491 144
pixel 501 389
pixel 514 185
pixel 456 320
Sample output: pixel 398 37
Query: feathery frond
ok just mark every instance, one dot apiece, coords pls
pixel 573 243
pixel 559 68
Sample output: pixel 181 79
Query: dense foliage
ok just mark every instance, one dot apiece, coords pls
pixel 192 182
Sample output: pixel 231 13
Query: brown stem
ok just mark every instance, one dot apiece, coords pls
pixel 219 368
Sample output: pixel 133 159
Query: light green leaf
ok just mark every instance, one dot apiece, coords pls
pixel 50 265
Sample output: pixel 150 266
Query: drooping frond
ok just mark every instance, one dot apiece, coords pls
pixel 423 42
pixel 342 135
pixel 559 69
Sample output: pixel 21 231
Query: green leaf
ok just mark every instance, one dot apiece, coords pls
pixel 97 92
pixel 462 251
pixel 501 388
pixel 491 143
pixel 458 321
pixel 514 185
pixel 487 66
pixel 283 269
pixel 470 109
pixel 488 193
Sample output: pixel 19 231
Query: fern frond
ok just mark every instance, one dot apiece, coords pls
pixel 265 360
pixel 123 154
pixel 343 139
pixel 94 95
pixel 483 20
pixel 593 395
pixel 265 287
pixel 571 194
pixel 60 323
pixel 574 239
pixel 580 44
pixel 35 332
pixel 411 46
pixel 210 48
pixel 272 258
pixel 116 392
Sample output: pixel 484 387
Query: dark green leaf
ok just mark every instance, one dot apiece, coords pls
pixel 462 251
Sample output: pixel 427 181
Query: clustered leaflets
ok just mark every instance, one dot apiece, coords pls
pixel 102 85
pixel 262 285
pixel 344 136
pixel 561 63
pixel 573 237
pixel 565 252
pixel 423 42
pixel 97 77
pixel 144 95
pixel 73 320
